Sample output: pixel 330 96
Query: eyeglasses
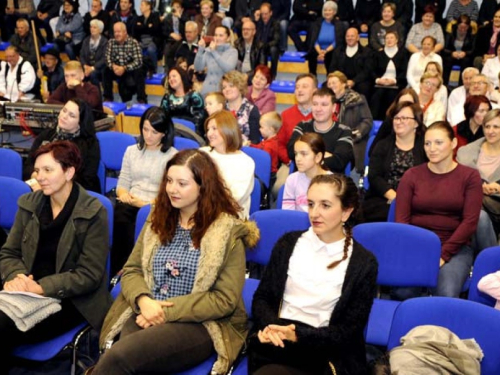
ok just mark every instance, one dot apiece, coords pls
pixel 429 84
pixel 402 119
pixel 479 83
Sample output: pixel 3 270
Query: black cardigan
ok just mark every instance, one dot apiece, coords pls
pixel 343 339
pixel 400 59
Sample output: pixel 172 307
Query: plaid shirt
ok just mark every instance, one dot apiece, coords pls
pixel 128 54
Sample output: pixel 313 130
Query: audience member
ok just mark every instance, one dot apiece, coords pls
pixel 46 11
pixel 487 40
pixel 93 53
pixel 471 129
pixel 96 13
pixel 14 10
pixel 189 47
pixel 281 11
pixel 180 101
pixel 458 48
pixel 392 157
pixel 389 74
pixel 184 278
pixel 69 32
pixel 214 102
pixel 23 40
pixel 432 109
pixel 74 124
pixel 304 13
pixel 57 248
pixel 207 21
pixel 427 28
pixel 75 87
pixel 268 33
pixel 327 332
pixel 325 35
pixel 234 88
pixel 337 137
pixel 487 11
pixel 174 32
pixel 309 151
pixel 51 72
pixel 125 14
pixel 219 57
pixel 354 61
pixel 441 94
pixel 147 31
pixel 367 12
pixel 444 197
pixel 124 61
pixel 457 97
pixel 491 68
pixel 351 109
pixel 419 60
pixel 403 13
pixel 459 7
pixel 17 77
pixel 140 177
pixel 259 94
pixel 439 5
pixel 380 29
pixel 251 51
pixel 236 167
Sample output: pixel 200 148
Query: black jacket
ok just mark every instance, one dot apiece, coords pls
pixel 301 9
pixel 483 37
pixel 131 21
pixel 367 12
pixel 345 11
pixel 487 11
pixel 273 36
pixel 342 341
pixel 51 7
pixel 381 60
pixel 100 54
pixel 315 28
pixel 360 63
pixel 449 43
pixel 148 27
pixel 281 9
pixel 257 52
pixel 168 26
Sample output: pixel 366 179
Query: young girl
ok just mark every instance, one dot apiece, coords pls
pixel 309 154
pixel 313 302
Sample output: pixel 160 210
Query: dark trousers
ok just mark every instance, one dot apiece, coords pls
pixel 123 235
pixel 294 28
pixel 274 53
pixel 129 83
pixel 9 26
pixel 312 60
pixel 39 24
pixel 381 99
pixel 170 49
pixel 163 349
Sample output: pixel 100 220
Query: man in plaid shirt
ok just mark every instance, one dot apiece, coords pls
pixel 124 62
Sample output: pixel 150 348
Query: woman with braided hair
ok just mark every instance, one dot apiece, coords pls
pixel 313 301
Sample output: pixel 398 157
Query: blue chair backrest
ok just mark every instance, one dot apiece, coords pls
pixel 186 123
pixel 391 215
pixel 181 143
pixel 406 255
pixel 109 208
pixel 273 224
pixel 279 199
pixel 10 191
pixel 11 164
pixel 140 220
pixel 467 319
pixel 488 261
pixel 101 174
pixel 255 197
pixel 262 163
pixel 113 146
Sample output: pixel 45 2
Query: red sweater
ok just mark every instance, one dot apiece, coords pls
pixel 447 204
pixel 271 146
pixel 290 118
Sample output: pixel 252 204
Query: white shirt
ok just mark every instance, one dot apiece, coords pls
pixel 416 67
pixel 9 87
pixel 312 290
pixel 491 69
pixel 456 102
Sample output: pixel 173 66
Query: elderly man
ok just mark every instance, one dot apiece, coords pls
pixel 354 61
pixel 16 9
pixel 124 61
pixel 250 51
pixel 189 46
pixel 75 87
pixel 457 97
pixel 23 40
pixel 17 77
pixel 52 71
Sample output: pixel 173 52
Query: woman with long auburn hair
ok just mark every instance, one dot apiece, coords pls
pixel 181 287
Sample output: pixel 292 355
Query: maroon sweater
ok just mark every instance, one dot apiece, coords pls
pixel 447 204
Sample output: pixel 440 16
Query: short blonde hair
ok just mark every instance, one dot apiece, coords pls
pixel 272 119
pixel 207 2
pixel 219 98
pixel 432 75
pixel 73 65
pixel 237 79
pixel 339 75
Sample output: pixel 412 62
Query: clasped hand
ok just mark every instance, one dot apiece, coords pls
pixel 23 283
pixel 151 312
pixel 276 335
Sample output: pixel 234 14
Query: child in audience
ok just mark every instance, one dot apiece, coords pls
pixel 270 124
pixel 309 154
pixel 214 102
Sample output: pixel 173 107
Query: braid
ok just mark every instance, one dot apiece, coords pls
pixel 347 243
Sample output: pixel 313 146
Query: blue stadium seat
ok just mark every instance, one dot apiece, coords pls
pixel 11 164
pixel 10 191
pixel 487 261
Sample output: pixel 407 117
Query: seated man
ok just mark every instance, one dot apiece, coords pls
pixel 250 51
pixel 305 12
pixel 337 137
pixel 75 87
pixel 17 77
pixel 16 9
pixel 268 33
pixel 124 61
pixel 23 40
pixel 45 11
pixel 189 46
pixel 96 13
pixel 51 72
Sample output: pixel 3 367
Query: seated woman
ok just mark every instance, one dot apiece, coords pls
pixel 392 157
pixel 93 53
pixel 432 109
pixel 57 248
pixel 484 155
pixel 236 167
pixel 259 93
pixel 441 94
pixel 69 30
pixel 471 129
pixel 309 154
pixel 140 178
pixel 491 68
pixel 234 88
pixel 351 109
pixel 182 285
pixel 323 333
pixel 458 48
pixel 444 197
pixel 459 7
pixel 379 29
pixel 76 124
pixel 424 29
pixel 389 74
pixel 181 101
pixel 419 60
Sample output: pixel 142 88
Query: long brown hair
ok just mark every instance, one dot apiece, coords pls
pixel 214 199
pixel 347 192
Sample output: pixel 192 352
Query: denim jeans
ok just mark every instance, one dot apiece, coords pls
pixel 453 274
pixel 485 234
pixel 283 35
